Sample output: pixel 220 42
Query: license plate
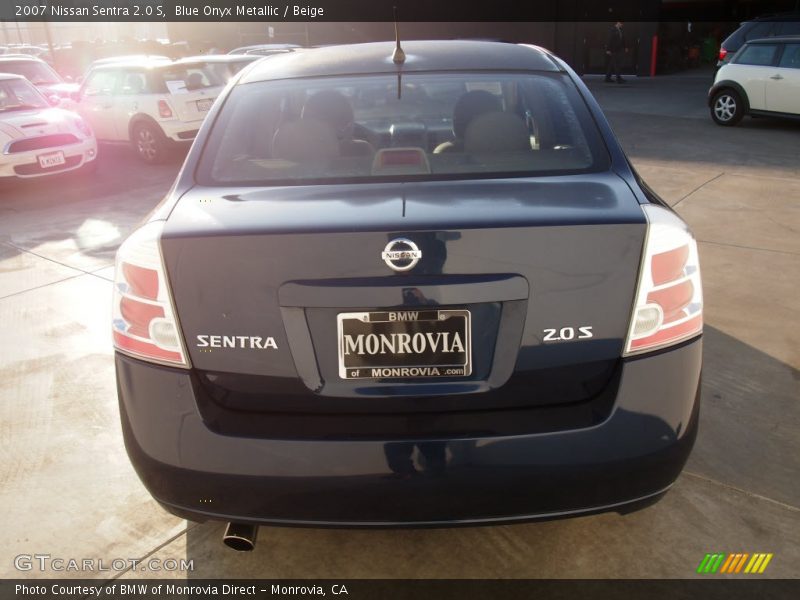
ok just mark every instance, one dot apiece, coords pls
pixel 405 344
pixel 53 159
pixel 204 105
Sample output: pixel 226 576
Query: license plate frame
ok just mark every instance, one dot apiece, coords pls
pixel 204 104
pixel 384 356
pixel 51 159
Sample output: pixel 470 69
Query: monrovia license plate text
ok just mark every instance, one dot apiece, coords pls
pixel 405 344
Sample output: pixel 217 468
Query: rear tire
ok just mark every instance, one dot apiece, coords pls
pixel 727 107
pixel 149 142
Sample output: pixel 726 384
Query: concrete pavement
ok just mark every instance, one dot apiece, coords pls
pixel 69 491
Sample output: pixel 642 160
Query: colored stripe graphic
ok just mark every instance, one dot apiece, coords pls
pixel 766 562
pixel 727 564
pixel 754 563
pixel 735 558
pixel 717 563
pixel 710 563
pixel 703 564
pixel 741 562
pixel 734 563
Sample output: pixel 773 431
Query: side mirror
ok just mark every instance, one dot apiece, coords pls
pixel 68 79
pixel 75 96
pixel 54 100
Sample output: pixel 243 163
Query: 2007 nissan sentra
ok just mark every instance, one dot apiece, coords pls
pixel 424 290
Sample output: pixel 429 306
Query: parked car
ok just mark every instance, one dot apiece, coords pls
pixel 762 79
pixel 423 292
pixel 37 139
pixel 29 50
pixel 264 49
pixel 767 26
pixel 224 65
pixel 152 104
pixel 128 58
pixel 39 73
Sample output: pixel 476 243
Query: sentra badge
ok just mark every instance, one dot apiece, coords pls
pixel 236 341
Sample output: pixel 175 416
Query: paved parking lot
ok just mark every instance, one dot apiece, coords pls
pixel 68 490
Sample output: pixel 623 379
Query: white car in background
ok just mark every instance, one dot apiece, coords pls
pixel 37 139
pixel 224 65
pixel 152 104
pixel 39 73
pixel 762 79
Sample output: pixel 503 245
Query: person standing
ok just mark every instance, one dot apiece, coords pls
pixel 615 47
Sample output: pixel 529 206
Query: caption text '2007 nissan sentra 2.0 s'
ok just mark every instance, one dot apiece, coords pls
pixel 421 291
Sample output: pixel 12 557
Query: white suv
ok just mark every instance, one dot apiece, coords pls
pixel 762 79
pixel 149 103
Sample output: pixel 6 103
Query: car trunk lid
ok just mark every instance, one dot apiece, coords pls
pixel 546 267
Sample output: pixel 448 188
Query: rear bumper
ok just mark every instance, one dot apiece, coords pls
pixel 181 131
pixel 636 453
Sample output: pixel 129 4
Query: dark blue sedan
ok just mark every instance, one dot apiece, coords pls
pixel 411 290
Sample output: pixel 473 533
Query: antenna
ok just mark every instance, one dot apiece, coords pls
pixel 398 57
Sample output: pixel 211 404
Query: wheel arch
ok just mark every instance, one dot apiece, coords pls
pixel 142 118
pixel 729 85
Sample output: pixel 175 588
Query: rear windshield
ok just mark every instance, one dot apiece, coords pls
pixel 225 70
pixel 185 79
pixel 421 126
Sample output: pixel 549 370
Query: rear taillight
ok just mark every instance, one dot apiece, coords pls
pixel 669 298
pixel 722 53
pixel 164 111
pixel 144 323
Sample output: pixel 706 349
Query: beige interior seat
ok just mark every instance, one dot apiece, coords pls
pixel 467 108
pixel 305 140
pixel 497 132
pixel 331 107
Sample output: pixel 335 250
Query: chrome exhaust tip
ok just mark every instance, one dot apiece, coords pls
pixel 240 536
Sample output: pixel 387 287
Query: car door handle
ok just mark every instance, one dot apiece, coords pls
pixel 777 76
pixel 106 106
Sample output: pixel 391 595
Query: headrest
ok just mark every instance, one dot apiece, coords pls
pixel 497 132
pixel 305 140
pixel 330 107
pixel 471 105
pixel 134 83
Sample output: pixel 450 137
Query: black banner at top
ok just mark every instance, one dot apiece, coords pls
pixel 382 10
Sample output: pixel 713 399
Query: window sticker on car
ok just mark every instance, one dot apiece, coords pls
pixel 177 87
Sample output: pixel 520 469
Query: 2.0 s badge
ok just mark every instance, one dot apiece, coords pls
pixel 565 334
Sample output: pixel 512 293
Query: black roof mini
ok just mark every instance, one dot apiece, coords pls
pixel 777 39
